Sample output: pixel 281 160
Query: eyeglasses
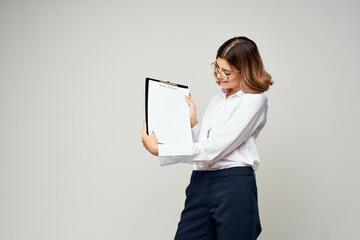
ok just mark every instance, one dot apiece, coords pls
pixel 224 76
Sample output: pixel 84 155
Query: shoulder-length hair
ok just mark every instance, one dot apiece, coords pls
pixel 243 54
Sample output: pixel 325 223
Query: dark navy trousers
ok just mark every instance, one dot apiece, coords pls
pixel 220 205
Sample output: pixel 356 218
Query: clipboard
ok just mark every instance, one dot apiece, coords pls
pixel 167 112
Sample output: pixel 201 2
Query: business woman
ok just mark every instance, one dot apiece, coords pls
pixel 221 199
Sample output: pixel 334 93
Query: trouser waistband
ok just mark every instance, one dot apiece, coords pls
pixel 233 171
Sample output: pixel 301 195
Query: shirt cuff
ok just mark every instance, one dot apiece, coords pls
pixel 175 153
pixel 195 132
pixel 175 149
pixel 165 160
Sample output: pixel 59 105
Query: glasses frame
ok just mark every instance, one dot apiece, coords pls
pixel 223 75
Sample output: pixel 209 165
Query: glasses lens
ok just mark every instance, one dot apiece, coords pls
pixel 216 71
pixel 223 75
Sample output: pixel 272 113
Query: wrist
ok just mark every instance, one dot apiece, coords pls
pixel 193 123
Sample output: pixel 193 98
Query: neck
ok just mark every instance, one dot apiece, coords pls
pixel 232 91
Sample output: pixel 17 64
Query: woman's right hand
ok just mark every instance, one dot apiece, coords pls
pixel 192 110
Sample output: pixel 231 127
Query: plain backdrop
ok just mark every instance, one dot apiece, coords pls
pixel 72 74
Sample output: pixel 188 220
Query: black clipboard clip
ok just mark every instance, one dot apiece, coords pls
pixel 168 84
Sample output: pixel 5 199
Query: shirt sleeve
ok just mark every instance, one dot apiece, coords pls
pixel 241 125
pixel 195 132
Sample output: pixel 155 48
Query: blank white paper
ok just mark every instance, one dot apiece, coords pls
pixel 168 113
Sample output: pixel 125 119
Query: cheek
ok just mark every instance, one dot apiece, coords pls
pixel 236 80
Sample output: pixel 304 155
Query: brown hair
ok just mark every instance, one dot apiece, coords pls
pixel 243 54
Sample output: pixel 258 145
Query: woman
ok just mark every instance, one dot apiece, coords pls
pixel 221 199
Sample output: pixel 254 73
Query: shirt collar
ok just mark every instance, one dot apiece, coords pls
pixel 224 91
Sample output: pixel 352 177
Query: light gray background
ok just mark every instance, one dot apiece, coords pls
pixel 72 164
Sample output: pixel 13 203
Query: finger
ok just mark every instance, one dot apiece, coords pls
pixel 144 128
pixel 187 101
pixel 190 99
pixel 153 135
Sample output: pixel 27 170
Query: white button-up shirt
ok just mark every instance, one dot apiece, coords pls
pixel 227 134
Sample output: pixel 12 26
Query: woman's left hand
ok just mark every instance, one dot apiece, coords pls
pixel 150 142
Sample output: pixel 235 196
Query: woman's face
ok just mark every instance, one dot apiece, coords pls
pixel 233 81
